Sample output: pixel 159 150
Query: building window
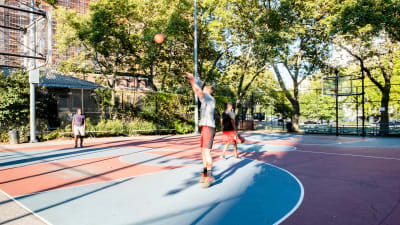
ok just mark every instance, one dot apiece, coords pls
pixel 63 102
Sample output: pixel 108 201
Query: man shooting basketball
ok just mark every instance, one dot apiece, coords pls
pixel 207 124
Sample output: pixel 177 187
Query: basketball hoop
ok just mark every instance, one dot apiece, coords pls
pixel 337 85
pixel 38 42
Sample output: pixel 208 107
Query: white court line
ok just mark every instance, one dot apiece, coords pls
pixel 301 198
pixel 324 144
pixel 363 156
pixel 301 191
pixel 24 207
pixel 298 202
pixel 337 143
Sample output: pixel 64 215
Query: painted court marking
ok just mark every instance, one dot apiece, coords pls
pixel 300 199
pixel 352 155
pixel 25 208
pixel 181 160
pixel 258 147
pixel 72 162
pixel 51 194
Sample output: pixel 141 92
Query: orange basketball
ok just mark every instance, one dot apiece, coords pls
pixel 240 139
pixel 159 38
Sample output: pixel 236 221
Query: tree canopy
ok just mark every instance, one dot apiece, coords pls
pixel 245 47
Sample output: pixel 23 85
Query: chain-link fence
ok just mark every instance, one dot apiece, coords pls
pixel 318 113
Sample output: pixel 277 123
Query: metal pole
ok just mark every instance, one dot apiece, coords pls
pixel 41 13
pixel 363 104
pixel 357 108
pixel 22 56
pixel 34 33
pixel 196 110
pixel 12 28
pixel 316 97
pixel 82 100
pixel 272 107
pixel 337 104
pixel 32 113
pixel 49 39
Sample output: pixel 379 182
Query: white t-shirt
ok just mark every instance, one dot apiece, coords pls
pixel 207 111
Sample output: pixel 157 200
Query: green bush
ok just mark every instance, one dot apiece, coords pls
pixel 183 127
pixel 90 125
pixel 3 135
pixel 110 125
pixel 140 124
pixel 52 135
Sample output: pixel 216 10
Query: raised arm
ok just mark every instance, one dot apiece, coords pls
pixel 199 92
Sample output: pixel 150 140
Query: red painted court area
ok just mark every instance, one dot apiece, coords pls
pixel 49 176
pixel 343 185
pixel 346 180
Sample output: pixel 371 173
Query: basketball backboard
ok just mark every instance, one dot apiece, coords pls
pixel 37 42
pixel 337 85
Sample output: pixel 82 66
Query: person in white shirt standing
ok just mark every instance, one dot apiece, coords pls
pixel 78 127
pixel 207 124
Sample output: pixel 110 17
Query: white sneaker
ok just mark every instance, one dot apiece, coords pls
pixel 222 157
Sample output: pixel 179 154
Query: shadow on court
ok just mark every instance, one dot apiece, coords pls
pixel 360 183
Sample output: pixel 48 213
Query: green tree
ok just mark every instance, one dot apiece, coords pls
pixel 117 36
pixel 315 106
pixel 369 32
pixel 271 33
pixel 101 35
pixel 14 107
pixel 228 30
pixel 14 102
pixel 297 43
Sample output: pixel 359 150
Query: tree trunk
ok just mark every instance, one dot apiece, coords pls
pixel 292 98
pixel 163 82
pixel 385 90
pixel 384 125
pixel 236 106
pixel 295 115
pixel 238 103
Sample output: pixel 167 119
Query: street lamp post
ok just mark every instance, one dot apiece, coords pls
pixel 32 97
pixel 196 112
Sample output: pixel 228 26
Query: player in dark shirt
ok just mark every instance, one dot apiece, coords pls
pixel 229 130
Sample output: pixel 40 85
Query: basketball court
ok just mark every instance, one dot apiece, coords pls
pixel 280 179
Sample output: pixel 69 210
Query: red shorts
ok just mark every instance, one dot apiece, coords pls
pixel 207 137
pixel 229 136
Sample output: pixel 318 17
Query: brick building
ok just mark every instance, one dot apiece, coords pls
pixel 129 89
pixel 12 23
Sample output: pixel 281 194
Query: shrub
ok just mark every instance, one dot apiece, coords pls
pixel 3 135
pixel 140 124
pixel 52 135
pixel 110 125
pixel 183 127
